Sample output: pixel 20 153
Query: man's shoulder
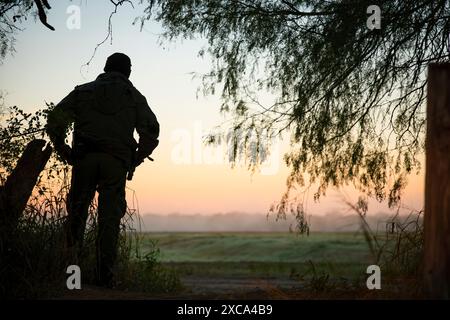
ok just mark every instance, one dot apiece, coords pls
pixel 138 96
pixel 88 86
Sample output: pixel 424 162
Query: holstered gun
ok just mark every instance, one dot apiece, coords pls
pixel 133 166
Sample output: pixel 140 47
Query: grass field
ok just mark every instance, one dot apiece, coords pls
pixel 264 266
pixel 339 255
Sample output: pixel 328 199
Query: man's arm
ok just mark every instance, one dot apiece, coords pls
pixel 147 127
pixel 58 123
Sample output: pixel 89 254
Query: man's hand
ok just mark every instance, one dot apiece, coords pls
pixel 134 166
pixel 65 152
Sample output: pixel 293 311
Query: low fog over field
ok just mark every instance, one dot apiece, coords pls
pixel 242 222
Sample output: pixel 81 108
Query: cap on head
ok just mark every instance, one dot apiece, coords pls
pixel 118 62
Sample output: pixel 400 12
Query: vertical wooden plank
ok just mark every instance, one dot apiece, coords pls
pixel 19 185
pixel 437 184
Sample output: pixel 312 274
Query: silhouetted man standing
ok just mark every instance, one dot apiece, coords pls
pixel 105 113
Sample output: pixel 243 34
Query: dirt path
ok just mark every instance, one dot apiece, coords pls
pixel 237 288
pixel 198 288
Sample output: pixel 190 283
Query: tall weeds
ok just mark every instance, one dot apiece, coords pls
pixel 397 247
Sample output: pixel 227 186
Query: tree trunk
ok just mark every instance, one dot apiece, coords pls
pixel 437 184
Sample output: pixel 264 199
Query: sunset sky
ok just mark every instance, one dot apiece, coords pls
pixel 48 65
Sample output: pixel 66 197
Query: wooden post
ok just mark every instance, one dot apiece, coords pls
pixel 19 185
pixel 437 184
